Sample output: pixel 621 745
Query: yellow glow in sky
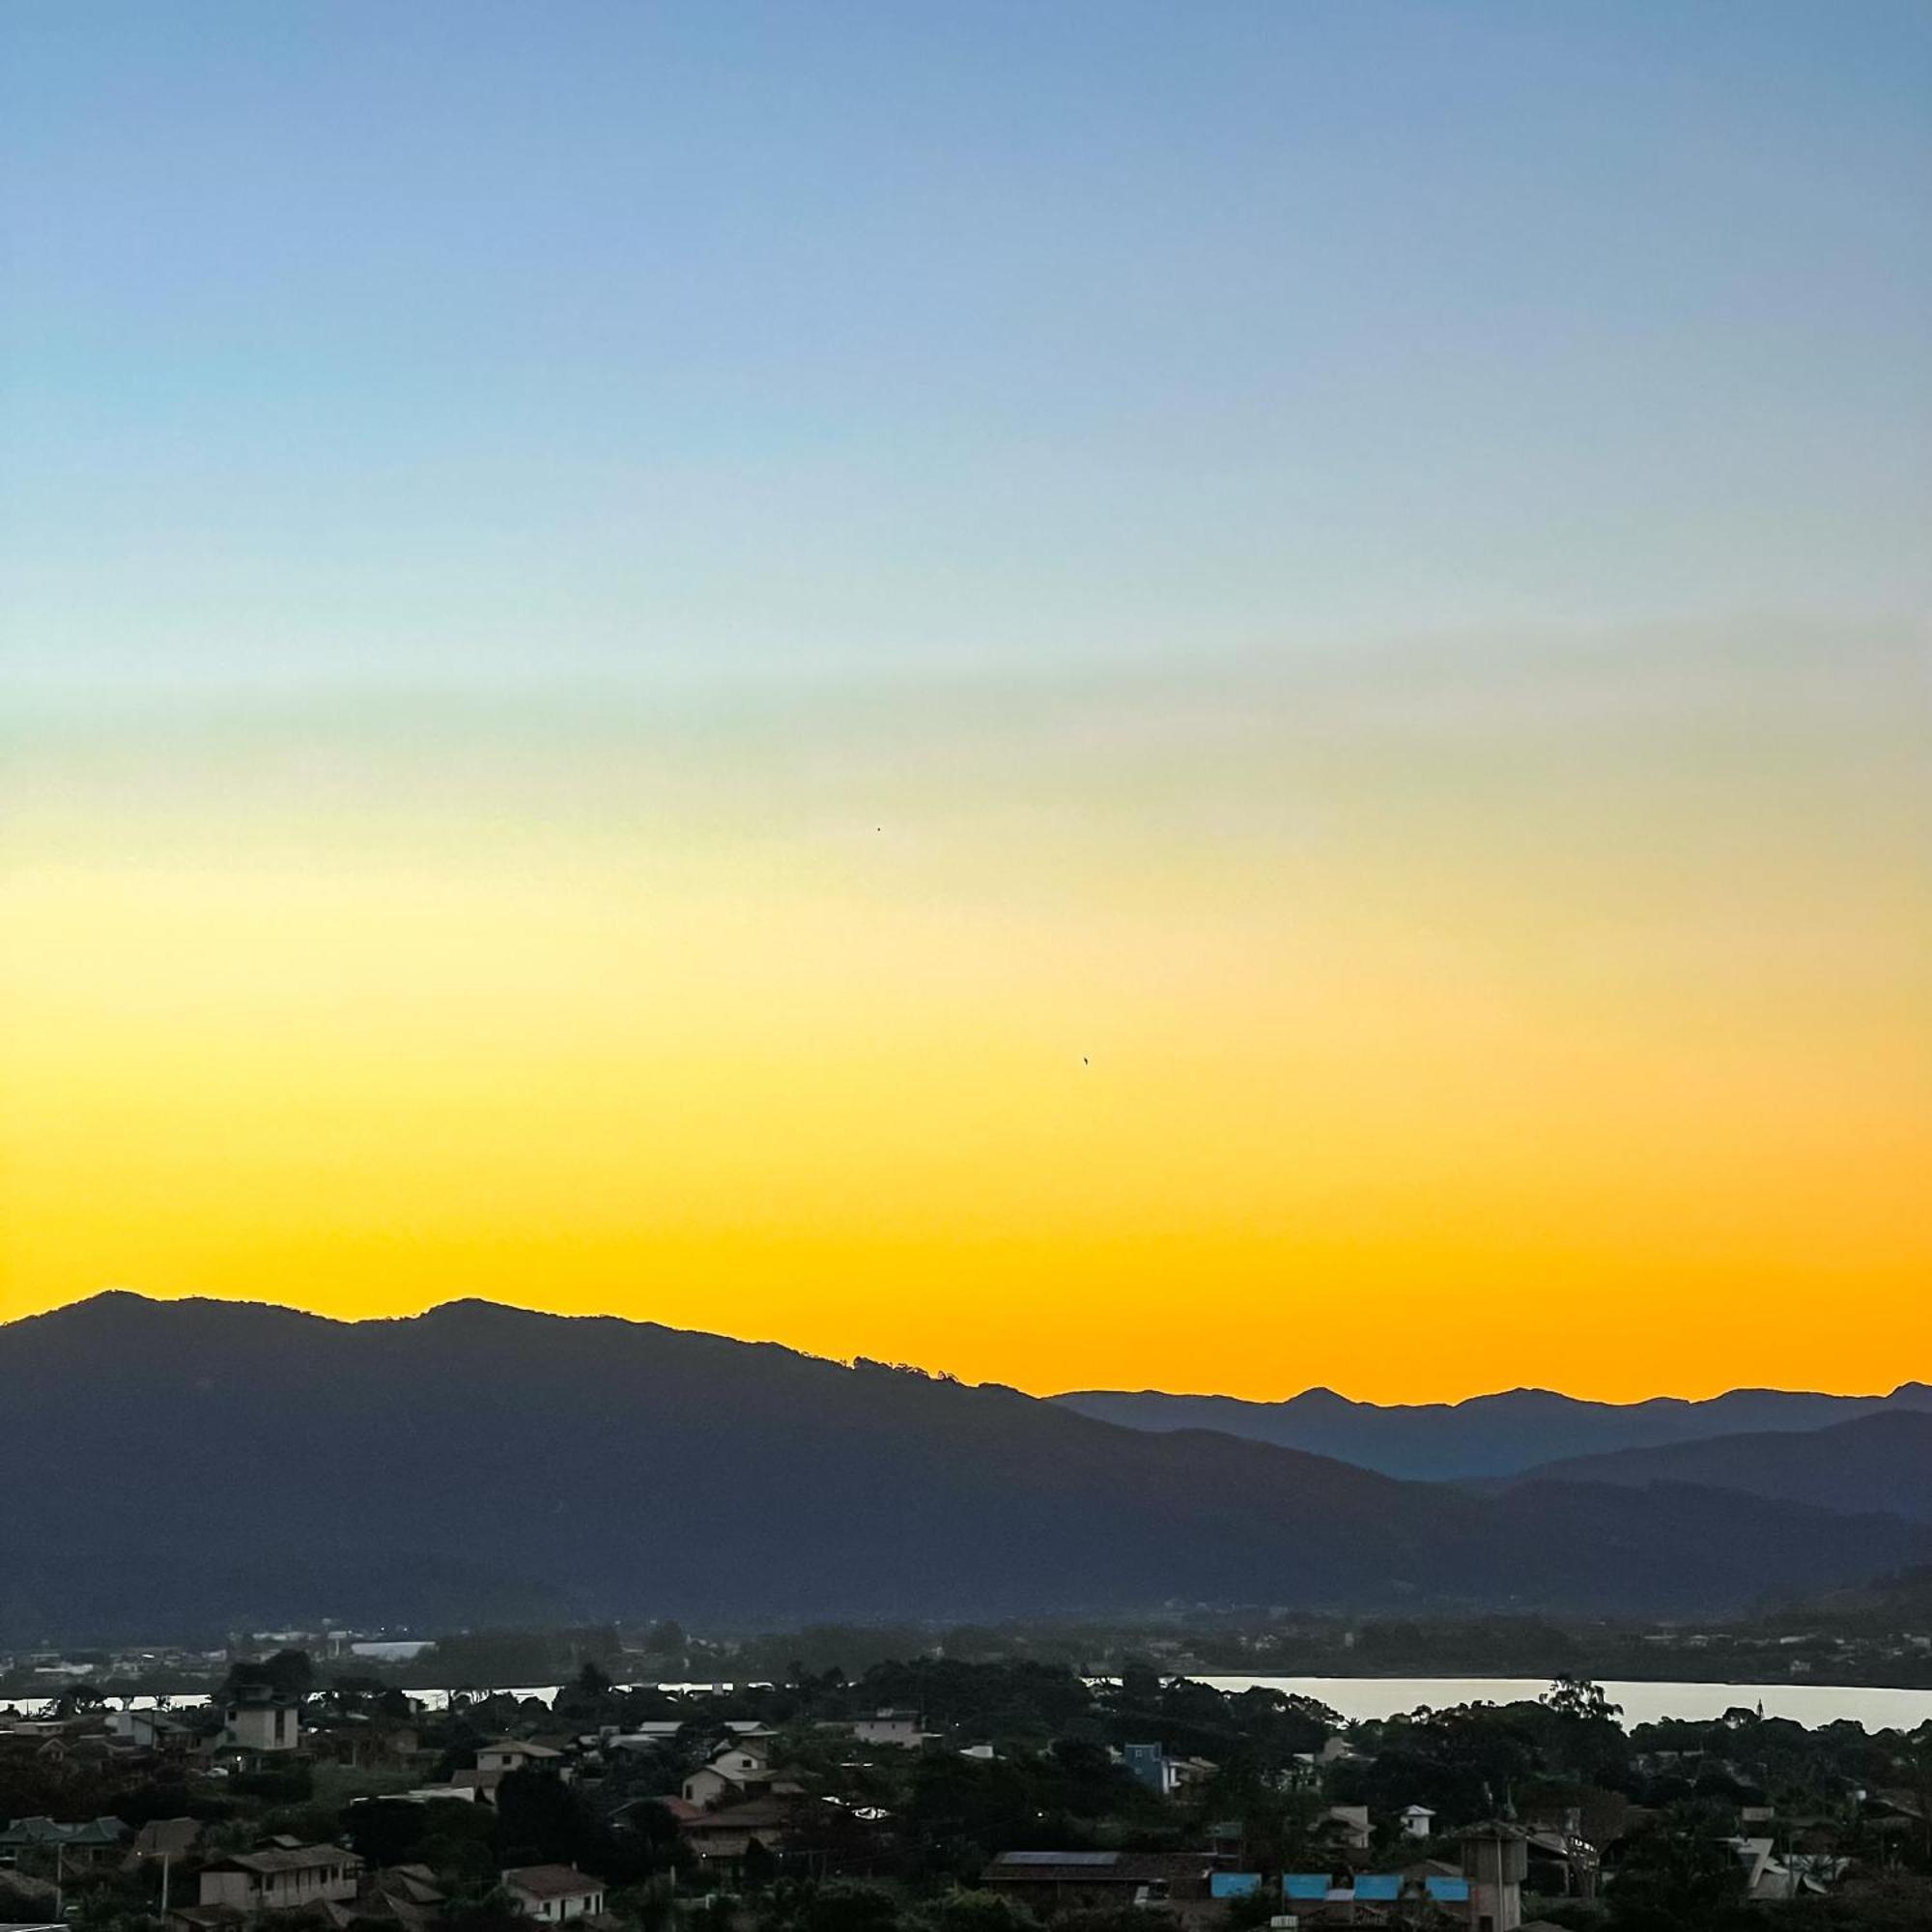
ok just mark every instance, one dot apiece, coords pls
pixel 1552 1023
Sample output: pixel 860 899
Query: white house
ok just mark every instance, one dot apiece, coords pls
pixel 514 1754
pixel 554 1892
pixel 890 1727
pixel 257 1719
pixel 1348 1825
pixel 1418 1821
pixel 738 1771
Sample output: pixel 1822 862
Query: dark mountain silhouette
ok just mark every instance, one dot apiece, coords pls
pixel 1881 1462
pixel 1488 1435
pixel 185 1466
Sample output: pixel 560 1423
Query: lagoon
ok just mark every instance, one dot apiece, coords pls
pixel 1643 1704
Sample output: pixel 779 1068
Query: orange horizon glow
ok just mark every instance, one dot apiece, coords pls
pixel 1410 1040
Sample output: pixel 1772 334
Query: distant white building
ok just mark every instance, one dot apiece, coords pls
pixel 890 1727
pixel 505 1754
pixel 1418 1821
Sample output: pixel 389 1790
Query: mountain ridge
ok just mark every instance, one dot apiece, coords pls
pixel 1882 1461
pixel 1503 1433
pixel 211 1465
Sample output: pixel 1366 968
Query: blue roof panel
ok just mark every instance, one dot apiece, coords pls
pixel 1447 1890
pixel 1305 1885
pixel 1378 1888
pixel 1234 1885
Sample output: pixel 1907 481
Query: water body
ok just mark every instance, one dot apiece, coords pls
pixel 1643 1704
pixel 1356 1698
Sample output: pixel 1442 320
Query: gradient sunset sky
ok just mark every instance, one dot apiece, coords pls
pixel 1220 696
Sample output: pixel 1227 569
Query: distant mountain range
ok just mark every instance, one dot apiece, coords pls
pixel 181 1468
pixel 1488 1435
pixel 1881 1462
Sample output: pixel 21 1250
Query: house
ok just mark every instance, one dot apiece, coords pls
pixel 406 1897
pixel 1347 1826
pixel 516 1754
pixel 736 1771
pixel 257 1719
pixel 1055 1882
pixel 1418 1821
pixel 149 1730
pixel 901 1728
pixel 554 1892
pixel 729 1834
pixel 83 1843
pixel 281 1878
pixel 1149 1765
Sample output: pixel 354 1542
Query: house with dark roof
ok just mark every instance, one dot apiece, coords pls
pixel 554 1893
pixel 84 1842
pixel 280 1877
pixel 1055 1882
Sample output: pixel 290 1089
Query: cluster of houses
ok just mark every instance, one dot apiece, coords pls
pixel 328 1882
pixel 743 1805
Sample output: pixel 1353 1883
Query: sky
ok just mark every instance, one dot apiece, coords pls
pixel 1220 697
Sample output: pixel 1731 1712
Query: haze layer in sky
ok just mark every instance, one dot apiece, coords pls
pixel 1211 697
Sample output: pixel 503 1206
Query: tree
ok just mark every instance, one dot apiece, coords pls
pixel 1579 1698
pixel 975 1912
pixel 1678 1875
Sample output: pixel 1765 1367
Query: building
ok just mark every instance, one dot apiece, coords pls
pixel 901 1728
pixel 736 1771
pixel 84 1843
pixel 516 1754
pixel 149 1730
pixel 1149 1765
pixel 257 1719
pixel 281 1878
pixel 732 1833
pixel 1376 1898
pixel 1055 1881
pixel 1346 1825
pixel 1418 1821
pixel 1497 1858
pixel 554 1892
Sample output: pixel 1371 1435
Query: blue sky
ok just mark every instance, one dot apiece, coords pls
pixel 927 679
pixel 461 341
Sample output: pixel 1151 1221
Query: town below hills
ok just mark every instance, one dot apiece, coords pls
pixel 193 1466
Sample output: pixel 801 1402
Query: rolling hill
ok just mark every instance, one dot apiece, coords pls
pixel 176 1467
pixel 1881 1462
pixel 1488 1435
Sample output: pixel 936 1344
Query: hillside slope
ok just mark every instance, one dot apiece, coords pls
pixel 1878 1462
pixel 1488 1435
pixel 195 1465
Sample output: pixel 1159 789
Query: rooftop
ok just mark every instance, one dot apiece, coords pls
pixel 551 1882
